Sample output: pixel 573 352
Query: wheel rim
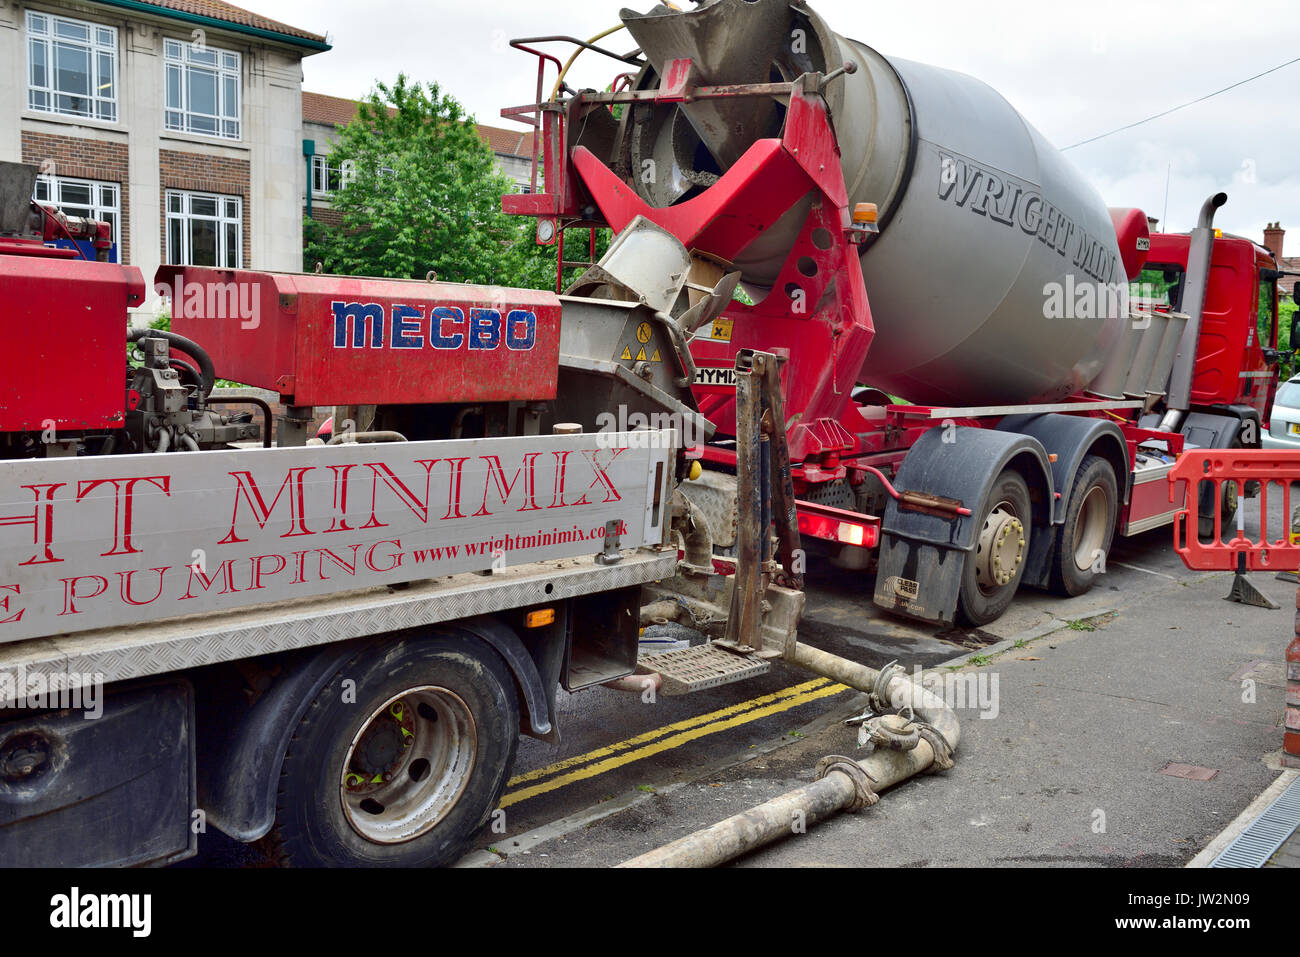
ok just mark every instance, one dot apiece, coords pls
pixel 408 765
pixel 1090 528
pixel 1001 549
pixel 1229 503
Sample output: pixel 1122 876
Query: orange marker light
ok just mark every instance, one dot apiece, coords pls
pixel 865 213
pixel 539 618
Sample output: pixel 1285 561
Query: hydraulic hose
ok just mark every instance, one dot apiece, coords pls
pixel 207 371
pixel 268 416
pixel 559 83
pixel 185 366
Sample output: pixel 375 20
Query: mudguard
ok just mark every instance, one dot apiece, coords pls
pixel 242 745
pixel 1216 430
pixel 922 556
pixel 1070 438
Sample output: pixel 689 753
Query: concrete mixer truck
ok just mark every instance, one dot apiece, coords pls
pixel 976 398
pixel 884 313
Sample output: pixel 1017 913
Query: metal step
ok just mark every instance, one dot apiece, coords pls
pixel 704 666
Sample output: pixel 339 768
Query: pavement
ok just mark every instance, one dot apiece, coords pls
pixel 1125 728
pixel 1288 855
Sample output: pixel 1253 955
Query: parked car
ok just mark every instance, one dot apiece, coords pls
pixel 1284 425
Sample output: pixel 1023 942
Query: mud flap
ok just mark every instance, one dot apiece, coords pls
pixel 1038 563
pixel 922 555
pixel 115 791
pixel 919 580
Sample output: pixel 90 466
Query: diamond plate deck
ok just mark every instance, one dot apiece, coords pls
pixel 116 654
pixel 705 666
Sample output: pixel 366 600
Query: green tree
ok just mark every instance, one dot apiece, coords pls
pixel 1286 310
pixel 423 194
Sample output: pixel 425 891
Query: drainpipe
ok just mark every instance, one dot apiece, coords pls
pixel 842 784
pixel 1199 251
pixel 308 151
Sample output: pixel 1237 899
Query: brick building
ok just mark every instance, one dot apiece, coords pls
pixel 322 116
pixel 1274 239
pixel 167 118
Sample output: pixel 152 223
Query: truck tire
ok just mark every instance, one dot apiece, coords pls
pixel 1227 506
pixel 994 568
pixel 1089 527
pixel 399 760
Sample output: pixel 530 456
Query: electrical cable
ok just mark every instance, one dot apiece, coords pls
pixel 1175 109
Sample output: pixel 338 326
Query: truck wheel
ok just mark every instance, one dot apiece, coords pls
pixel 1227 512
pixel 993 570
pixel 400 759
pixel 1089 526
pixel 1227 506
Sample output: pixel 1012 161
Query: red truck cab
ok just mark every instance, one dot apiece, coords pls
pixel 1236 363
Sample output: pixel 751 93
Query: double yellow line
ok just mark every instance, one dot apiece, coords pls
pixel 585 766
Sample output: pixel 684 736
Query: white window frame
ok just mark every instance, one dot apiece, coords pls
pixel 105 205
pixel 179 206
pixel 100 49
pixel 321 170
pixel 185 60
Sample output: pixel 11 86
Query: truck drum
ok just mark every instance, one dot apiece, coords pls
pixel 1084 538
pixel 399 760
pixel 994 568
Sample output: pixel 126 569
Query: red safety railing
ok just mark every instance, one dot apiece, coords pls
pixel 1273 548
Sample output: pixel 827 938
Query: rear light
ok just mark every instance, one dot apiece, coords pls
pixel 829 529
pixel 850 534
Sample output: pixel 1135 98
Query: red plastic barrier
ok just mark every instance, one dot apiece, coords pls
pixel 1273 550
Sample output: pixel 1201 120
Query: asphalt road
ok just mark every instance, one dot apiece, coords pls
pixel 586 799
pixel 1066 771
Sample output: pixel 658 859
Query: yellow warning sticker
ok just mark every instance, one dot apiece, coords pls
pixel 640 356
pixel 656 357
pixel 721 330
pixel 643 332
pixel 627 354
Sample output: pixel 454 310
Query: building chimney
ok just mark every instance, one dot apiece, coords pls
pixel 1273 235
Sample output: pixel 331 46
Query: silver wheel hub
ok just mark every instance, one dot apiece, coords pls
pixel 1001 549
pixel 408 765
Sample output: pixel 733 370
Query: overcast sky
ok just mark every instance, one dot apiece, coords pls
pixel 1073 72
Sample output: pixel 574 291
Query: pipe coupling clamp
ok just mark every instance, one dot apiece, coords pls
pixel 863 794
pixel 939 745
pixel 895 733
pixel 880 689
